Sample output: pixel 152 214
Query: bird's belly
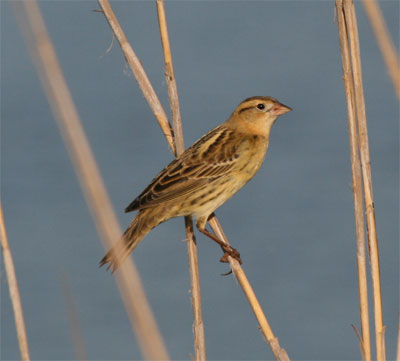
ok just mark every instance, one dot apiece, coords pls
pixel 204 203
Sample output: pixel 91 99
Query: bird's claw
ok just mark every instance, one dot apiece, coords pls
pixel 232 252
pixel 227 273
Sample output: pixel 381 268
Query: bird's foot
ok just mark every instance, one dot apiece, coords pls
pixel 230 251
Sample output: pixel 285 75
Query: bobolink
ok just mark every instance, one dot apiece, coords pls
pixel 203 177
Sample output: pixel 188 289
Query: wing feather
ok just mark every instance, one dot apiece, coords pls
pixel 193 170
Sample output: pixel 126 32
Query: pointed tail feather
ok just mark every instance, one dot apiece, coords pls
pixel 128 242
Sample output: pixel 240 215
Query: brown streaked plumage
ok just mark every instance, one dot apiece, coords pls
pixel 204 177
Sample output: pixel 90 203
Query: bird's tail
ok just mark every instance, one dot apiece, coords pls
pixel 137 230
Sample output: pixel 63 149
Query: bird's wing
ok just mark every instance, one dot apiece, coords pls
pixel 211 157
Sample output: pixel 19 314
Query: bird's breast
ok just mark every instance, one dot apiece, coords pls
pixel 252 154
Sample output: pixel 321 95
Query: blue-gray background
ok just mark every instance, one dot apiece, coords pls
pixel 293 224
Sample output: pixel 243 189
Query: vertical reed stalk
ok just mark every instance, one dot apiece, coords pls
pixel 347 7
pixel 385 43
pixel 14 291
pixel 59 97
pixel 367 178
pixel 198 324
pixel 365 342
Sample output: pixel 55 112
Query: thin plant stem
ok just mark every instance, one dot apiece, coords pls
pixel 170 78
pixel 351 20
pixel 385 43
pixel 365 339
pixel 279 353
pixel 14 291
pixel 59 97
pixel 198 324
pixel 140 75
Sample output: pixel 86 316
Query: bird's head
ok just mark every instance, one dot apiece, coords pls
pixel 256 115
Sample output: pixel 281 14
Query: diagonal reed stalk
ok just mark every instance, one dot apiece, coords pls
pixel 388 50
pixel 349 23
pixel 279 353
pixel 59 97
pixel 140 74
pixel 14 291
pixel 198 324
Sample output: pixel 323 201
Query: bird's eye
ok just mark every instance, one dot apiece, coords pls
pixel 261 106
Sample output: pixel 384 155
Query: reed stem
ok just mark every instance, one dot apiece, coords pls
pixel 385 43
pixel 63 107
pixel 14 290
pixel 365 343
pixel 198 323
pixel 346 9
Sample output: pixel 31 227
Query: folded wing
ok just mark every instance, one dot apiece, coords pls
pixel 204 162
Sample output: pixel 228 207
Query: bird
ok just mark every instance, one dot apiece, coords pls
pixel 203 177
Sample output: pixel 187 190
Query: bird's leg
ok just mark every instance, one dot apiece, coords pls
pixel 228 250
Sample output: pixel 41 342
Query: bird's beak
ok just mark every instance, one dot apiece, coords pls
pixel 279 109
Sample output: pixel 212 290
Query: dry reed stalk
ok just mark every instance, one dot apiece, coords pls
pixel 385 43
pixel 170 78
pixel 365 339
pixel 59 97
pixel 279 353
pixel 350 21
pixel 198 324
pixel 14 291
pixel 140 75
